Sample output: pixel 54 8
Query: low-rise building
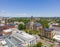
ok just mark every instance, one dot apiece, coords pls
pixel 17 23
pixel 18 39
pixel 33 26
pixel 24 37
pixel 47 32
pixel 54 26
pixel 14 37
pixel 5 27
pixel 7 32
pixel 11 25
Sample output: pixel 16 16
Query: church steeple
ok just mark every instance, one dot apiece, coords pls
pixel 31 22
pixel 32 18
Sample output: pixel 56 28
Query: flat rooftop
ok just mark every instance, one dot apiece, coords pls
pixel 24 36
pixel 18 38
pixel 12 42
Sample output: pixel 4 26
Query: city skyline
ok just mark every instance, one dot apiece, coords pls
pixel 28 8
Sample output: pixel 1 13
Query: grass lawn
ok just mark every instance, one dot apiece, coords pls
pixel 33 32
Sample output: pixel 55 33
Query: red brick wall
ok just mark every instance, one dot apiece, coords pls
pixel 12 27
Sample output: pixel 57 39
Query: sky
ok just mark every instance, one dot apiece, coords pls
pixel 28 8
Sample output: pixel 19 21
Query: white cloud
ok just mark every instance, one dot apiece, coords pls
pixel 3 13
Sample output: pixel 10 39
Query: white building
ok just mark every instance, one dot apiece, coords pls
pixel 19 22
pixel 54 26
pixel 24 37
pixel 3 21
pixel 57 37
pixel 18 38
pixel 51 24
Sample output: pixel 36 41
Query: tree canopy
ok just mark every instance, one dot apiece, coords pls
pixel 44 23
pixel 39 44
pixel 21 26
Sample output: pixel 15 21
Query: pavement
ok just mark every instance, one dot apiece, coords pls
pixel 46 42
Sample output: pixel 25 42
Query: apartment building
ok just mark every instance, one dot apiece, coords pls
pixel 47 32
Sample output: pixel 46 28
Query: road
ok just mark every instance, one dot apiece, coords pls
pixel 46 42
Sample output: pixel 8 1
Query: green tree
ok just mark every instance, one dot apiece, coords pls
pixel 11 20
pixel 21 26
pixel 39 44
pixel 34 32
pixel 26 21
pixel 51 45
pixel 44 23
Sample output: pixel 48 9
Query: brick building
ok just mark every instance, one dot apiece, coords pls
pixel 47 32
pixel 7 26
